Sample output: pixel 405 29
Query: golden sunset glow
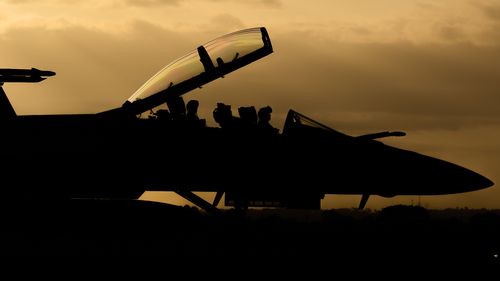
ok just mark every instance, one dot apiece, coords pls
pixel 428 68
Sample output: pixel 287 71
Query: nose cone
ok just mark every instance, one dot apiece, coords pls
pixel 477 181
pixel 465 180
pixel 439 177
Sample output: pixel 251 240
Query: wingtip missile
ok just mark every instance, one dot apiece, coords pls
pixel 32 75
pixel 43 72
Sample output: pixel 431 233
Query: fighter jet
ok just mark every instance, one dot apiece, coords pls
pixel 138 147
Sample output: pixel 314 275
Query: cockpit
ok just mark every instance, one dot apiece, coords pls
pixel 203 65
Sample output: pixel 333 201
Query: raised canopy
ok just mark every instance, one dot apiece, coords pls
pixel 205 64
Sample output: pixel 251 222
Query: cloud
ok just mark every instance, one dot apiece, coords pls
pixel 265 3
pixel 491 11
pixel 427 6
pixel 226 21
pixel 20 1
pixel 139 3
pixel 45 2
pixel 152 3
pixel 451 32
pixel 271 3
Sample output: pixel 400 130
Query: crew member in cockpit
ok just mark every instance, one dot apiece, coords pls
pixel 263 124
pixel 177 108
pixel 192 114
pixel 224 116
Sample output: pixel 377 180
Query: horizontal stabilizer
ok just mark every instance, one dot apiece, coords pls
pixel 24 75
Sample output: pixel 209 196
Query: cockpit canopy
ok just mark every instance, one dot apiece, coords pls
pixel 203 65
pixel 299 123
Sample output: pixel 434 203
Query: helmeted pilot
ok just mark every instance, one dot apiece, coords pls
pixel 263 124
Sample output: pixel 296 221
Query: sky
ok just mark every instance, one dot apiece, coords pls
pixel 428 68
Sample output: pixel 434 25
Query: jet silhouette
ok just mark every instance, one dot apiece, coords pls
pixel 119 154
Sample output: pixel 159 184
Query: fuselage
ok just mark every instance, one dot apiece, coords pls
pixel 96 156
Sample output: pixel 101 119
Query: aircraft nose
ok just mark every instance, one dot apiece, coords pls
pixel 483 182
pixel 455 178
pixel 472 181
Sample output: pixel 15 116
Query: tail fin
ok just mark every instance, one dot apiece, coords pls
pixel 7 112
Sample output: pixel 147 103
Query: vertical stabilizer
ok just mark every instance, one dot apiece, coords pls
pixel 7 112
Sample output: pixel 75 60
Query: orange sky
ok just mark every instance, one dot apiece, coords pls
pixel 429 68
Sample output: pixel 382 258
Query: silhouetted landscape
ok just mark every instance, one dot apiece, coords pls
pixel 135 228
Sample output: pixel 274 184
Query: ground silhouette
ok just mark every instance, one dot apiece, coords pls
pixel 137 228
